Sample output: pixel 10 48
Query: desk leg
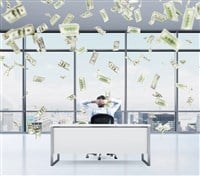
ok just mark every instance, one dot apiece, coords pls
pixel 148 163
pixel 52 159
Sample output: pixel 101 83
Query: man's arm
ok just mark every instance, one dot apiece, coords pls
pixel 85 104
pixel 116 105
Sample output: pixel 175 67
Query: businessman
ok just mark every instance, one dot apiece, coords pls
pixel 101 108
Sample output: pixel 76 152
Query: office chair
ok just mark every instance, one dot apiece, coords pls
pixel 102 119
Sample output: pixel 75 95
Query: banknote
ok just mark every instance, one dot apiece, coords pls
pixel 170 11
pixel 116 45
pixel 169 39
pixel 137 15
pixel 14 46
pixel 81 50
pixel 41 111
pixel 100 30
pixel 141 78
pixel 189 100
pixel 89 4
pixel 197 10
pixel 113 67
pixel 103 78
pixel 157 94
pixel 15 13
pixel 155 81
pixel 104 15
pixel 38 79
pixel 86 14
pixel 18 33
pixel 131 29
pixel 94 57
pixel 41 28
pixel 82 84
pixel 160 102
pixel 41 45
pixel 30 59
pixel 64 64
pixel 54 19
pixel 71 97
pixel 188 19
pixel 47 1
pixel 68 19
pixel 69 29
pixel 157 16
pixel 58 4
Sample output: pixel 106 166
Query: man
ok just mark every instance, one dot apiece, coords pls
pixel 101 106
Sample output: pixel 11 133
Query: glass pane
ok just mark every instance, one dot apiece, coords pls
pixel 189 74
pixel 159 121
pixel 95 87
pixel 49 118
pixel 11 82
pixel 11 122
pixel 189 40
pixel 49 41
pixel 97 41
pixel 189 122
pixel 140 94
pixel 57 85
pixel 139 41
pixel 4 46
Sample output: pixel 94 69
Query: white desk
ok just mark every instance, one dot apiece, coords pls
pixel 103 138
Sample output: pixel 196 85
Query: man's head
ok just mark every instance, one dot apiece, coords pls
pixel 101 101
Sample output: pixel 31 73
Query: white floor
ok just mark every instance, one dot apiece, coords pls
pixel 171 154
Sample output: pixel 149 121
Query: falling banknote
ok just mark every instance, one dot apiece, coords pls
pixel 155 81
pixel 169 39
pixel 116 45
pixel 38 78
pixel 190 100
pixel 81 50
pixel 197 10
pixel 188 19
pixel 131 29
pixel 82 84
pixel 14 46
pixel 103 78
pixel 104 15
pixel 113 67
pixel 86 14
pixel 68 19
pixel 58 4
pixel 41 28
pixel 157 16
pixel 160 102
pixel 54 19
pixel 41 111
pixel 2 58
pixel 30 59
pixel 100 30
pixel 71 29
pixel 15 13
pixel 170 11
pixel 64 64
pixel 141 78
pixel 137 15
pixel 41 45
pixel 71 97
pixel 89 4
pixel 94 57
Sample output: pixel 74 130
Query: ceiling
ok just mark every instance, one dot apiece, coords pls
pixel 36 10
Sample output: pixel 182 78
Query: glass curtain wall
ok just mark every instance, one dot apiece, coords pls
pixel 170 105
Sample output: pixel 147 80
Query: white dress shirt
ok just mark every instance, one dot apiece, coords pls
pixel 102 110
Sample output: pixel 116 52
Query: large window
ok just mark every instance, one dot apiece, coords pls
pixel 155 84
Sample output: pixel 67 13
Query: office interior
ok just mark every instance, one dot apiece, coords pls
pixel 54 54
